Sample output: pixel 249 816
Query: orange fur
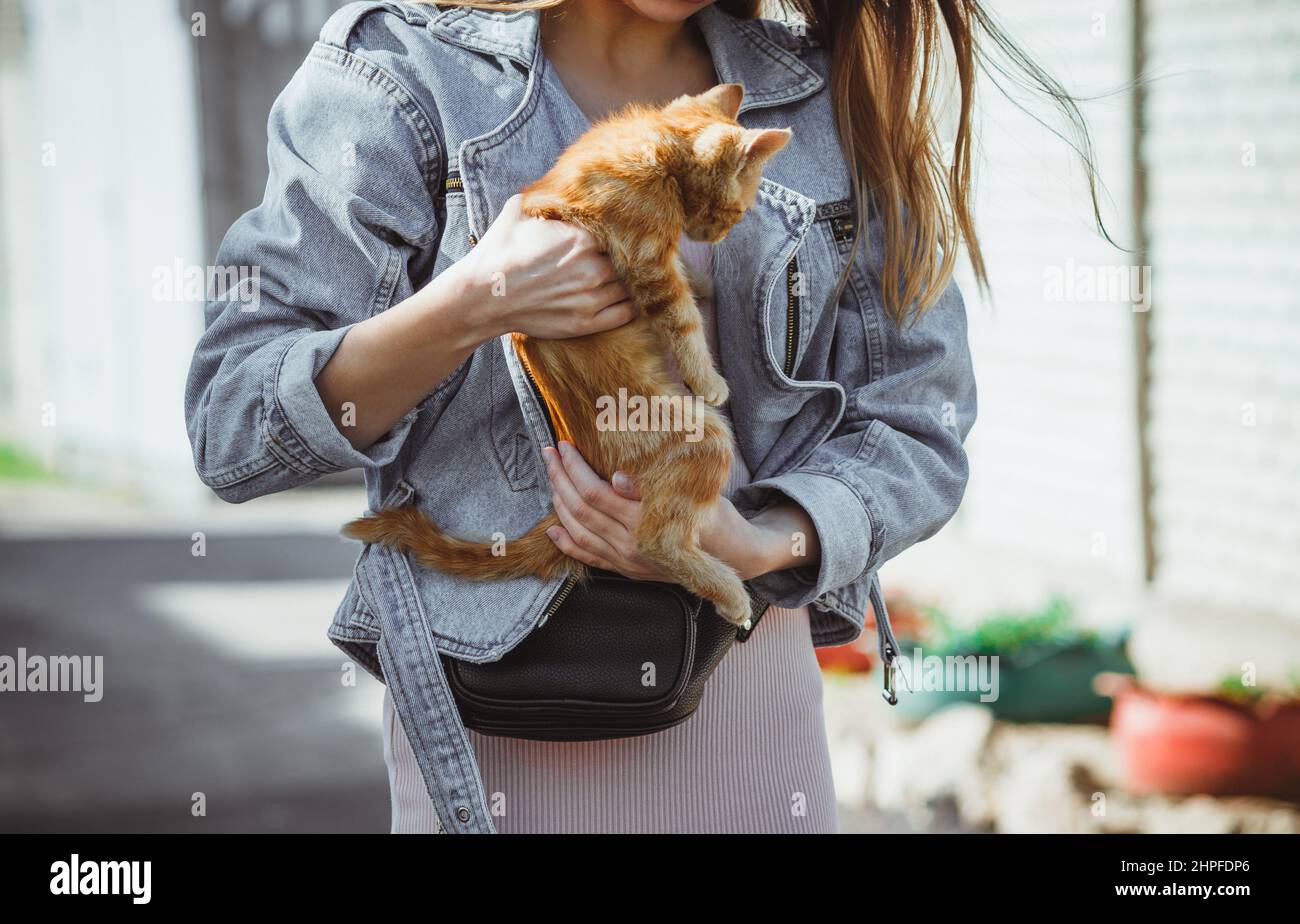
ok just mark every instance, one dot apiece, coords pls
pixel 636 180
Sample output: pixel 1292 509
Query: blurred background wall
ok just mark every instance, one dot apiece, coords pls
pixel 1148 432
pixel 1138 443
pixel 102 184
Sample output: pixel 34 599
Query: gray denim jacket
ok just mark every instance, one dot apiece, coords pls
pixel 396 143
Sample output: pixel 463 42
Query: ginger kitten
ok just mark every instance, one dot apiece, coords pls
pixel 636 181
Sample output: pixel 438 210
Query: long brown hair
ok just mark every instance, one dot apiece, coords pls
pixel 887 68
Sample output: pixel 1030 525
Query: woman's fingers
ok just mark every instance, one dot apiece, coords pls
pixel 609 305
pixel 597 524
pixel 595 491
pixel 615 315
pixel 589 528
pixel 622 483
pixel 606 294
pixel 564 542
pixel 587 538
pixel 585 241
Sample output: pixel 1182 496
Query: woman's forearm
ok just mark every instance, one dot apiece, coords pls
pixel 560 284
pixel 388 364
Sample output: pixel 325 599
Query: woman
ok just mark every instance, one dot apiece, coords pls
pixel 393 258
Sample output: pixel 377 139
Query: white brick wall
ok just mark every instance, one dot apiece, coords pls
pixel 1226 246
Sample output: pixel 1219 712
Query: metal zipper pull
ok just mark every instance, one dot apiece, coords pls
pixel 889 694
pixel 455 183
pixel 886 642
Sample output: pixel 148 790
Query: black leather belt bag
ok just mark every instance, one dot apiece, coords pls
pixel 616 658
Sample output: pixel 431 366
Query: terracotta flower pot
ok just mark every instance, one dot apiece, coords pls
pixel 845 659
pixel 1182 744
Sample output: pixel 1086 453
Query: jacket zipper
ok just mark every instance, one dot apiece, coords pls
pixel 884 630
pixel 454 182
pixel 567 587
pixel 572 580
pixel 791 314
pixel 537 393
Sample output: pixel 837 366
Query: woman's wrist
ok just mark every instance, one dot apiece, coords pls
pixel 749 547
pixel 390 362
pixel 768 545
pixel 786 538
pixel 458 307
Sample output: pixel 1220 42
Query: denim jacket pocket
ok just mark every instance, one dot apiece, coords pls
pixel 812 277
pixel 515 451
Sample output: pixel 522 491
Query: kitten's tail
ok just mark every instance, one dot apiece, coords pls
pixel 531 555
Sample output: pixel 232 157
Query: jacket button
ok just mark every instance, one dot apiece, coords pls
pixel 463 814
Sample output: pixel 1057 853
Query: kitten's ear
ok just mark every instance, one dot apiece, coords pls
pixel 725 98
pixel 762 143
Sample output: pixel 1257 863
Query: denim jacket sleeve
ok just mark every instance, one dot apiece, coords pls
pixel 347 210
pixel 894 470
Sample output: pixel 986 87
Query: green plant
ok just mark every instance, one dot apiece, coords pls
pixel 1232 687
pixel 1010 633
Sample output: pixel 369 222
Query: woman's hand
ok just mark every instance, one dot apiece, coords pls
pixel 546 279
pixel 599 521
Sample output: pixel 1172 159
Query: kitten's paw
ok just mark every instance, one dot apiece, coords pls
pixel 736 611
pixel 713 389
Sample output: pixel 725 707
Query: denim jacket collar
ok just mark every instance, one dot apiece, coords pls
pixel 742 51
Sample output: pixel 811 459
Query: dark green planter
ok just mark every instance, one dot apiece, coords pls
pixel 1044 684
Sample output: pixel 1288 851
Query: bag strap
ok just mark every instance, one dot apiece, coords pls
pixel 758 608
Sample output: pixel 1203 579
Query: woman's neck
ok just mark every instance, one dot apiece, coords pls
pixel 608 55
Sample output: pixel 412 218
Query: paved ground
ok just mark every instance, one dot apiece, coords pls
pixel 268 732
